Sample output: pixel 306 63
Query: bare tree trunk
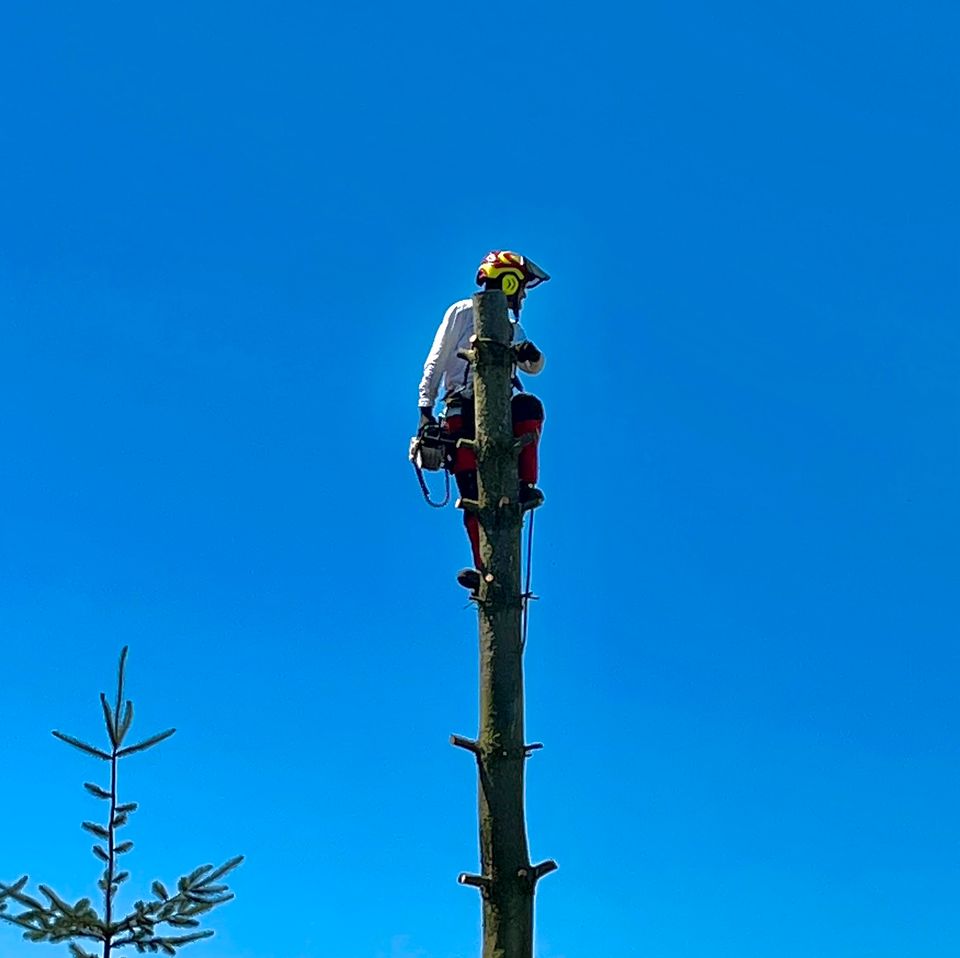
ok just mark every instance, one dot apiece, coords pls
pixel 507 879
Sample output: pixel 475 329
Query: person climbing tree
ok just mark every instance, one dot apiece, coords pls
pixel 444 369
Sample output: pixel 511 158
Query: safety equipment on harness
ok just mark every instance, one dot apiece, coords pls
pixel 512 269
pixel 432 449
pixel 426 416
pixel 428 447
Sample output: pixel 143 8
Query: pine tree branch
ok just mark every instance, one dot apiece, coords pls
pixel 222 870
pixel 146 743
pixel 83 746
pixel 120 670
pixel 109 720
pixel 126 723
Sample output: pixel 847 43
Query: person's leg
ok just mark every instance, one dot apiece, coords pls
pixel 528 416
pixel 464 469
pixel 467 484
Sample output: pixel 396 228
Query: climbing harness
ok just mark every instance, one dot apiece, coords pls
pixel 431 449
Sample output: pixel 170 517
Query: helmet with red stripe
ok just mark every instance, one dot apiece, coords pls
pixel 511 272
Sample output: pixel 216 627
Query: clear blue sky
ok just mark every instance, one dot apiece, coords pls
pixel 227 235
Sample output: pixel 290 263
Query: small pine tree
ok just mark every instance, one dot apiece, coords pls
pixel 158 926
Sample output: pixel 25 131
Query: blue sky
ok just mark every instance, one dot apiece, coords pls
pixel 228 235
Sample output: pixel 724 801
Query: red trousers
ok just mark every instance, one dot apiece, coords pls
pixel 527 414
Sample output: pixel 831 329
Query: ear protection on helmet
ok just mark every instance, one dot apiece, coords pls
pixel 510 284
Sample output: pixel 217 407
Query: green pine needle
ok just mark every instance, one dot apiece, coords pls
pixel 83 746
pixel 56 901
pixel 122 666
pixel 126 723
pixel 146 743
pixel 109 720
pixel 223 869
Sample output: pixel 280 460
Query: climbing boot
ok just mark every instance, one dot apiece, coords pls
pixel 469 579
pixel 530 496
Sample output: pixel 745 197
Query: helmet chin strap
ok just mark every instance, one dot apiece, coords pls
pixel 515 302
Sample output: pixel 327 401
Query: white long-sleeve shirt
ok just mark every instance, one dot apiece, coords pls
pixel 444 369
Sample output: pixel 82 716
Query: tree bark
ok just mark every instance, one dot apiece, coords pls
pixel 506 883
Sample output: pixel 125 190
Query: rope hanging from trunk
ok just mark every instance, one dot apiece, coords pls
pixel 527 595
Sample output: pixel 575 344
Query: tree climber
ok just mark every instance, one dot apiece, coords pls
pixel 514 274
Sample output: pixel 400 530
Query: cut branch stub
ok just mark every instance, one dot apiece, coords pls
pixel 535 872
pixel 477 881
pixel 466 743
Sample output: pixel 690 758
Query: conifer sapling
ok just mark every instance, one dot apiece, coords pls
pixel 161 925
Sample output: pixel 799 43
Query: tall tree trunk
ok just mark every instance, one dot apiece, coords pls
pixel 507 879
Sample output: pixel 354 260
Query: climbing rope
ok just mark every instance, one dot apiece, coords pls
pixel 527 595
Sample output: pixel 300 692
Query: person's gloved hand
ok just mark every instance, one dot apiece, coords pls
pixel 526 352
pixel 426 416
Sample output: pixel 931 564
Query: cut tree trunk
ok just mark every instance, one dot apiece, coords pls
pixel 507 880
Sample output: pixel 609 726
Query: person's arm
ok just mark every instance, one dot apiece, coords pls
pixel 529 359
pixel 436 363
